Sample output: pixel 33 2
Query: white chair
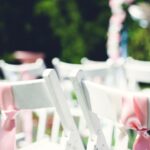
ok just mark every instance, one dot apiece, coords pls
pixel 14 72
pixel 137 71
pixel 64 70
pixel 100 101
pixel 91 120
pixel 115 72
pixel 45 93
pixel 28 71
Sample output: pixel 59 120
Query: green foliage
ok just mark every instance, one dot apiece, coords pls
pixel 78 33
pixel 139 42
pixel 71 29
pixel 139 39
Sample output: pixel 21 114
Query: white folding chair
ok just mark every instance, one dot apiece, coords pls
pixel 28 71
pixel 64 70
pixel 136 71
pixel 45 93
pixel 14 72
pixel 100 101
pixel 115 72
pixel 91 120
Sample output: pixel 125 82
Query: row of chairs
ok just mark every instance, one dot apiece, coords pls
pixel 35 94
pixel 125 74
pixel 93 99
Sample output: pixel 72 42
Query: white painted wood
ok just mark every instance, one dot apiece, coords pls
pixel 101 102
pixel 100 98
pixel 96 139
pixel 137 71
pixel 26 91
pixel 62 109
pixel 44 93
pixel 27 71
pixel 55 127
pixel 44 144
pixel 64 71
pixel 115 71
pixel 13 72
pixel 42 114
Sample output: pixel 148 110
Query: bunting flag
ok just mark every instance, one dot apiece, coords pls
pixel 115 26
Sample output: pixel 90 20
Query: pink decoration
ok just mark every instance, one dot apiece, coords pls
pixel 135 116
pixel 8 126
pixel 115 26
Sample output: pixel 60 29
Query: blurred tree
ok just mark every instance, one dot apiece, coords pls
pixel 139 43
pixel 139 39
pixel 68 29
pixel 81 26
pixel 21 29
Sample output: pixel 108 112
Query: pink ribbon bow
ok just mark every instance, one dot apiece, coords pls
pixel 7 127
pixel 135 116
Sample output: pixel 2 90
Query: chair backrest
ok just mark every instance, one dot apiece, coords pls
pixel 114 104
pixel 26 71
pixel 64 71
pixel 137 71
pixel 14 72
pixel 45 93
pixel 115 71
pixel 91 119
pixel 85 60
pixel 97 73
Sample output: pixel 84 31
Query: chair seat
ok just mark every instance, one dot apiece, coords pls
pixel 43 144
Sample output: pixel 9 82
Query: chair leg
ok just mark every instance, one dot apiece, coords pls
pixel 41 124
pixel 55 127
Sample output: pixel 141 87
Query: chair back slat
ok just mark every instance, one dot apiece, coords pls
pixel 100 98
pixel 45 93
pixel 14 72
pixel 31 94
pixel 136 71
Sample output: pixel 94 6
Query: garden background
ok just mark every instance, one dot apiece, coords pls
pixel 67 29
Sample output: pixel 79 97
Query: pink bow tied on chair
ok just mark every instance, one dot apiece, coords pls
pixel 135 116
pixel 7 124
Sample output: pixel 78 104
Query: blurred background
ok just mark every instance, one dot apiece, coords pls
pixel 69 29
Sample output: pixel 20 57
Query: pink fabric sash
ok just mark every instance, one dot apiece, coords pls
pixel 7 127
pixel 135 116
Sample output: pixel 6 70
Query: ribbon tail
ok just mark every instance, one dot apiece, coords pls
pixel 142 143
pixel 7 139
